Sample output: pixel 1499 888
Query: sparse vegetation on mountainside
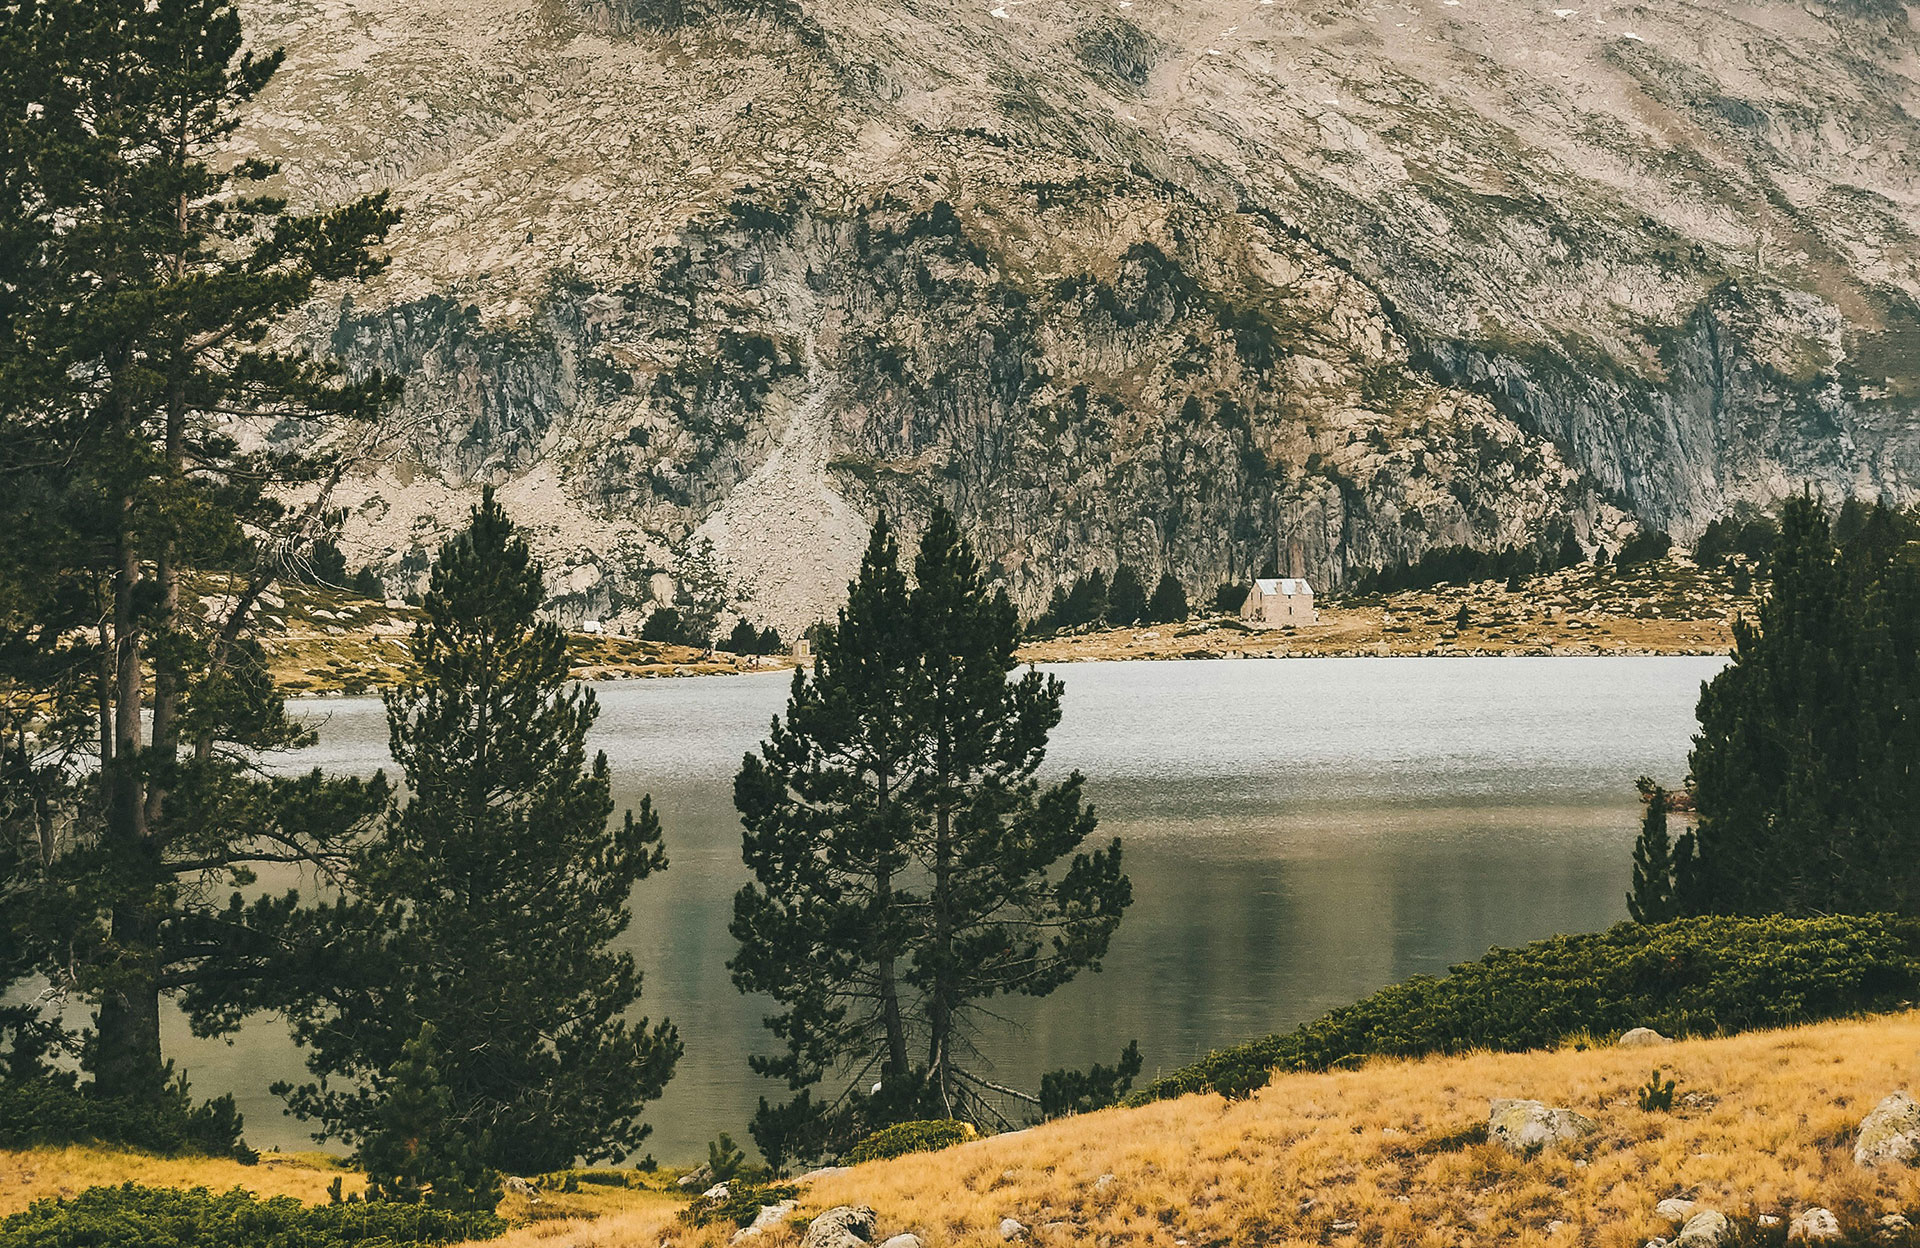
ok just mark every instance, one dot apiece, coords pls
pixel 331 641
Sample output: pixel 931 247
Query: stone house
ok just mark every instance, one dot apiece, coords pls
pixel 1280 600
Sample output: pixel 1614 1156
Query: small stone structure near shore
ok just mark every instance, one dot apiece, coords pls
pixel 1279 600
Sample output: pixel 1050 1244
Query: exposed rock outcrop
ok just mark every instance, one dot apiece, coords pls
pixel 1202 287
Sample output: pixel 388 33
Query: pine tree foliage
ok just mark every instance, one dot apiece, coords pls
pixel 488 908
pixel 416 1151
pixel 1126 598
pixel 908 867
pixel 1652 899
pixel 1808 799
pixel 1169 602
pixel 141 283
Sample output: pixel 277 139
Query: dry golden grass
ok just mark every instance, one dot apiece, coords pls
pixel 33 1174
pixel 1764 1124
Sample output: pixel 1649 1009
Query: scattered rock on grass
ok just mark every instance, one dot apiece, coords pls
pixel 1675 1209
pixel 1706 1229
pixel 1813 1225
pixel 843 1226
pixel 1104 1183
pixel 1528 1126
pixel 1012 1230
pixel 699 1180
pixel 769 1217
pixel 821 1173
pixel 719 1191
pixel 1890 1134
pixel 905 1240
pixel 1641 1038
pixel 518 1187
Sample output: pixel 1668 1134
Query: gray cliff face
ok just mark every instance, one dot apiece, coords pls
pixel 1193 285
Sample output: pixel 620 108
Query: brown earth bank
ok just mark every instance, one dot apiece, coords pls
pixel 329 641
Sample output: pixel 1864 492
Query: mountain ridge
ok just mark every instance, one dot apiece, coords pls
pixel 1196 285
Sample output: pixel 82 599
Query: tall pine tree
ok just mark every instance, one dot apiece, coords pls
pixel 488 909
pixel 907 864
pixel 1807 796
pixel 1169 602
pixel 1652 899
pixel 1126 598
pixel 141 282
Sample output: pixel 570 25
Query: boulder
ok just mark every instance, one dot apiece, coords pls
pixel 699 1181
pixel 906 1240
pixel 843 1226
pixel 719 1191
pixel 1528 1126
pixel 1674 1209
pixel 1812 1226
pixel 1706 1229
pixel 1012 1230
pixel 769 1217
pixel 1641 1038
pixel 821 1173
pixel 518 1187
pixel 1890 1135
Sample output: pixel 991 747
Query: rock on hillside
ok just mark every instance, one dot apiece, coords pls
pixel 1190 283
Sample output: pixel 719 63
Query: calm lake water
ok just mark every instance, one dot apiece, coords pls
pixel 1298 832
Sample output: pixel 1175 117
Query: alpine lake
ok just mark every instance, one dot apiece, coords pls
pixel 1298 832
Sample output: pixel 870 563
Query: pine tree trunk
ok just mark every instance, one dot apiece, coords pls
pixel 940 1006
pixel 896 1067
pixel 126 1056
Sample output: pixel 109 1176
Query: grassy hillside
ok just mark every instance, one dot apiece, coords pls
pixel 1393 1153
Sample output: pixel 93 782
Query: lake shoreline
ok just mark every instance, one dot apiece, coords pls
pixel 325 643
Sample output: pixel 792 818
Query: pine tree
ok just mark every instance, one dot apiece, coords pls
pixel 416 1150
pixel 904 855
pixel 1651 900
pixel 488 908
pixel 1169 602
pixel 1804 785
pixel 1087 602
pixel 1126 598
pixel 824 931
pixel 141 282
pixel 1569 554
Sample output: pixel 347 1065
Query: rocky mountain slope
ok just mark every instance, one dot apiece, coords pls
pixel 1196 284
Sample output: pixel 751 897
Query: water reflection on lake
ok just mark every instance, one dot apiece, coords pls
pixel 1298 832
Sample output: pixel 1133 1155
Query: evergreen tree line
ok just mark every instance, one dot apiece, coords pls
pixel 1093 599
pixel 1803 787
pixel 454 984
pixel 1464 565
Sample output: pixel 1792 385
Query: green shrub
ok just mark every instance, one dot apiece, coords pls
pixel 739 1207
pixel 1065 1092
pixel 929 1136
pixel 1656 1095
pixel 1689 977
pixel 154 1217
pixel 55 1109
